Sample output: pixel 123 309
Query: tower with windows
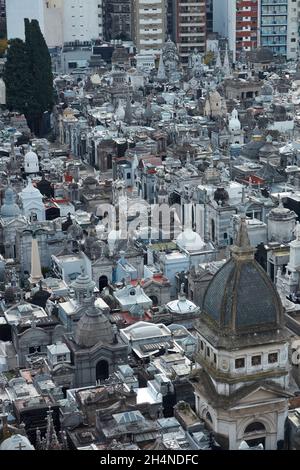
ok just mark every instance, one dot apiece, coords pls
pixel 241 389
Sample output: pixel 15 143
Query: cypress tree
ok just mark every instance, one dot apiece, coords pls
pixel 41 85
pixel 17 77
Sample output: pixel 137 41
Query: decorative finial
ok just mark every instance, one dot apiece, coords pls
pixel 297 231
pixel 182 293
pixel 242 240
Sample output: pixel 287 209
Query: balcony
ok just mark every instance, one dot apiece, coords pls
pixel 150 42
pixel 150 2
pixel 151 11
pixel 273 2
pixel 151 32
pixel 150 21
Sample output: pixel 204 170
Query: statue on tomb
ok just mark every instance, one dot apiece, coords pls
pixel 171 61
pixel 196 64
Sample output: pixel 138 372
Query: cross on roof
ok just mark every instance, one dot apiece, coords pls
pixel 21 447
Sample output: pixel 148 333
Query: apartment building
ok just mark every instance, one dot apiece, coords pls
pixel 82 20
pixel 249 24
pixel 239 22
pixel 117 19
pixel 280 26
pixel 149 19
pixel 48 13
pixel 190 27
pixel 61 21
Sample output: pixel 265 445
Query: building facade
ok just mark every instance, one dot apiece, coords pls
pixel 61 21
pixel 238 21
pixel 117 19
pixel 149 25
pixel 249 24
pixel 48 13
pixel 280 27
pixel 82 20
pixel 241 391
pixel 190 27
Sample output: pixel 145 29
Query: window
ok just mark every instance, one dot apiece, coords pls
pixel 256 426
pixel 61 357
pixel 215 358
pixel 272 358
pixel 208 352
pixel 256 360
pixel 201 345
pixel 34 349
pixel 132 292
pixel 240 363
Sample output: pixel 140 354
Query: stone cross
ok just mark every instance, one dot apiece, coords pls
pixel 20 446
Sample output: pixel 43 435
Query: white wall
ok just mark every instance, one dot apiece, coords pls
pixel 292 29
pixel 54 23
pixel 17 10
pixel 2 92
pixel 50 19
pixel 81 21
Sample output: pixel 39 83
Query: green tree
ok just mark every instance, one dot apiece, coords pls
pixel 17 76
pixel 28 76
pixel 41 95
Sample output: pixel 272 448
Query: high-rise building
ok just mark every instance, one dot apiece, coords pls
pixel 241 390
pixel 209 16
pixel 3 8
pixel 82 20
pixel 117 19
pixel 280 26
pixel 238 21
pixel 61 21
pixel 3 32
pixel 249 24
pixel 190 27
pixel 171 19
pixel 48 13
pixel 149 25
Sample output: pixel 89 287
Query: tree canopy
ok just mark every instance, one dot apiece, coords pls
pixel 17 77
pixel 28 76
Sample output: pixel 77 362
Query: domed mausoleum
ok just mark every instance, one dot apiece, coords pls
pixel 32 202
pixel 31 163
pixel 93 327
pixel 241 389
pixel 182 306
pixel 183 311
pixel 96 347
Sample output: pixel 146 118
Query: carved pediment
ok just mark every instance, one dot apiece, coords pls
pixel 62 369
pixel 262 394
pixel 34 334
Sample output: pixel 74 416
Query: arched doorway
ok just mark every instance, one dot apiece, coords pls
pixel 213 230
pixel 103 282
pixel 208 417
pixel 102 370
pixel 154 300
pixel 255 434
